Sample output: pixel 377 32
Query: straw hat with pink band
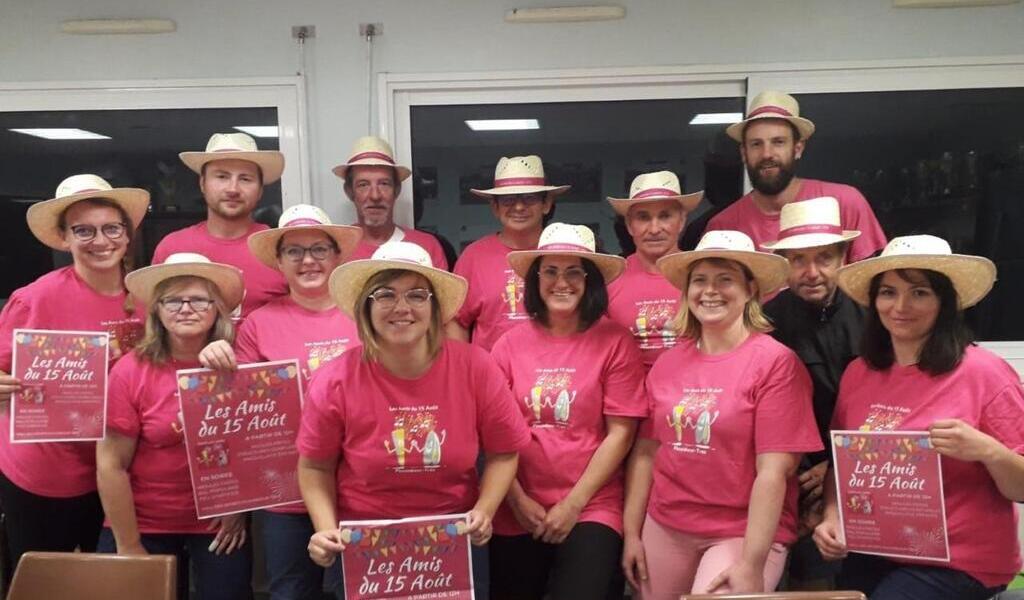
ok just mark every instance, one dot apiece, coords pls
pixel 142 283
pixel 302 217
pixel 810 224
pixel 772 104
pixel 769 270
pixel 655 187
pixel 561 239
pixel 520 175
pixel 238 146
pixel 44 217
pixel 371 151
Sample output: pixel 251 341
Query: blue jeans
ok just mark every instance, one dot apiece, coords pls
pixel 883 579
pixel 285 538
pixel 218 577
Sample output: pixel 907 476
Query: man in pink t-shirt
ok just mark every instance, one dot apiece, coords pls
pixel 772 140
pixel 520 199
pixel 373 182
pixel 232 173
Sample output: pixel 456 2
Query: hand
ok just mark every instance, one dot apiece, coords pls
pixel 810 517
pixel 558 522
pixel 827 539
pixel 528 512
pixel 634 560
pixel 812 483
pixel 8 385
pixel 956 439
pixel 479 527
pixel 740 578
pixel 324 547
pixel 230 533
pixel 218 355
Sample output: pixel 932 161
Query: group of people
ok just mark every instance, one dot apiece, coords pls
pixel 662 418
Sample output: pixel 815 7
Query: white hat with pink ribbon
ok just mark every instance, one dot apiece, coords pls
pixel 239 146
pixel 772 104
pixel 520 175
pixel 655 187
pixel 303 217
pixel 562 239
pixel 810 224
pixel 371 151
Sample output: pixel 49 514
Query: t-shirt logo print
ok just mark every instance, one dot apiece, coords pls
pixel 653 325
pixel 551 391
pixel 883 417
pixel 321 353
pixel 512 295
pixel 696 411
pixel 416 433
pixel 124 334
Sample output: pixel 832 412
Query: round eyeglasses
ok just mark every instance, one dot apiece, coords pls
pixel 387 298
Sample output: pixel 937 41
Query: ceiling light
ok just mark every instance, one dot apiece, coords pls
pixel 261 131
pixel 57 133
pixel 502 124
pixel 716 118
pixel 114 26
pixel 564 14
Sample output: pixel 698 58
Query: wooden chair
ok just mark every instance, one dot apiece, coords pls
pixel 87 576
pixel 780 596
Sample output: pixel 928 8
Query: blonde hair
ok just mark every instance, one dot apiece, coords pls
pixel 754 318
pixel 156 344
pixel 364 324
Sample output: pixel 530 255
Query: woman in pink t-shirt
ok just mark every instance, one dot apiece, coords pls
pixel 918 371
pixel 711 486
pixel 578 381
pixel 142 464
pixel 393 429
pixel 48 490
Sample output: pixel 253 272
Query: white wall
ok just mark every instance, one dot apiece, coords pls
pixel 242 38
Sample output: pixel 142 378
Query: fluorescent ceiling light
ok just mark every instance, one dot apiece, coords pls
pixel 503 124
pixel 716 118
pixel 262 131
pixel 57 133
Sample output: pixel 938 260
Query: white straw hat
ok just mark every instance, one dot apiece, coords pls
pixel 228 279
pixel 520 175
pixel 263 244
pixel 972 276
pixel 43 217
pixel 653 187
pixel 561 239
pixel 773 104
pixel 374 152
pixel 224 146
pixel 769 270
pixel 347 281
pixel 810 224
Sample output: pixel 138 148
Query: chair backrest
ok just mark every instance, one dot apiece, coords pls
pixel 87 576
pixel 780 596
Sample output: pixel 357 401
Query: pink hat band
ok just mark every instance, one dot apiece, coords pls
pixel 376 155
pixel 510 181
pixel 654 192
pixel 769 109
pixel 810 228
pixel 564 247
pixel 302 221
pixel 230 150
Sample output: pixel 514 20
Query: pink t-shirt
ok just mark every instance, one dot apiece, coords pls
pixel 408 447
pixel 142 404
pixel 60 300
pixel 564 388
pixel 283 330
pixel 645 304
pixel 984 392
pixel 421 238
pixel 714 414
pixel 494 303
pixel 261 282
pixel 854 213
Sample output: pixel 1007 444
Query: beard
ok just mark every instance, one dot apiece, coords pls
pixel 771 185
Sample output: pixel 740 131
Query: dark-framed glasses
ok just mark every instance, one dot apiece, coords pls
pixel 87 233
pixel 175 304
pixel 511 200
pixel 387 298
pixel 573 275
pixel 296 253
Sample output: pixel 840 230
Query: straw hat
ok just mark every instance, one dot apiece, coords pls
pixel 770 270
pixel 652 187
pixel 371 151
pixel 223 146
pixel 972 276
pixel 810 224
pixel 561 239
pixel 772 104
pixel 44 216
pixel 228 279
pixel 520 175
pixel 263 244
pixel 348 279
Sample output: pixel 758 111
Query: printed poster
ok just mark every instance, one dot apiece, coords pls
pixel 418 558
pixel 889 486
pixel 63 396
pixel 240 429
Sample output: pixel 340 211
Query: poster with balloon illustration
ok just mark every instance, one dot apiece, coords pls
pixel 63 395
pixel 240 429
pixel 416 558
pixel 890 497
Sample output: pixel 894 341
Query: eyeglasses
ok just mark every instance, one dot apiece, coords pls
pixel 317 251
pixel 512 200
pixel 573 275
pixel 87 233
pixel 387 298
pixel 175 304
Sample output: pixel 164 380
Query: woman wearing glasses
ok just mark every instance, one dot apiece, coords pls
pixel 48 490
pixel 577 379
pixel 304 325
pixel 393 429
pixel 142 464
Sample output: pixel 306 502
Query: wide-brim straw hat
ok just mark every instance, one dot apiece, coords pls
pixel 224 146
pixel 770 270
pixel 44 217
pixel 228 279
pixel 520 175
pixel 562 239
pixel 655 187
pixel 810 224
pixel 772 104
pixel 972 276
pixel 303 217
pixel 347 281
pixel 371 151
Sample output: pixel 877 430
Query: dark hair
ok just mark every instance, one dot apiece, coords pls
pixel 592 306
pixel 396 181
pixel 792 127
pixel 259 169
pixel 949 337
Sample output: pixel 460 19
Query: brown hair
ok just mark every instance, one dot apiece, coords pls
pixel 753 315
pixel 347 186
pixel 156 345
pixel 364 325
pixel 128 260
